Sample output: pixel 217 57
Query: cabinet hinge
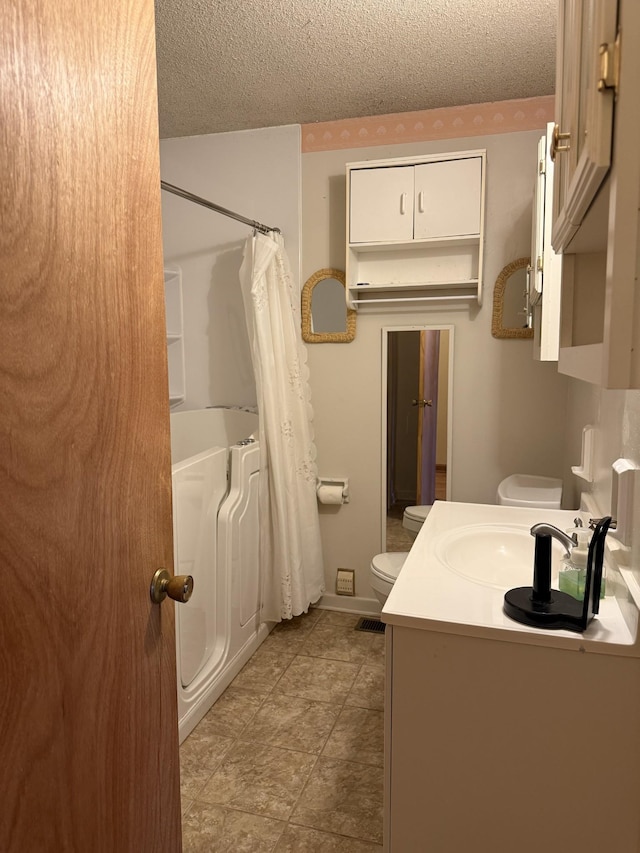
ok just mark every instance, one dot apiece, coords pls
pixel 540 263
pixel 541 168
pixel 609 70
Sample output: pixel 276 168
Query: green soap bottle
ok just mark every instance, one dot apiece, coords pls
pixel 573 569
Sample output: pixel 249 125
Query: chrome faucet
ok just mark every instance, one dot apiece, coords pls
pixel 542 558
pixel 544 529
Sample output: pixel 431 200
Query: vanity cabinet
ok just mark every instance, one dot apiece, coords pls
pixel 488 740
pixel 596 222
pixel 414 229
pixel 175 335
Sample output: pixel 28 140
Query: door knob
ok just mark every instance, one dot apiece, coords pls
pixel 422 403
pixel 178 587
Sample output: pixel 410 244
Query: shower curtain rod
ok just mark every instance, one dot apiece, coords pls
pixel 170 188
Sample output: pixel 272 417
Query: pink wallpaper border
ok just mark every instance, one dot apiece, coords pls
pixel 427 125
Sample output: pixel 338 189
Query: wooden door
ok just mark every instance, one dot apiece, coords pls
pixel 88 721
pixel 381 204
pixel 427 417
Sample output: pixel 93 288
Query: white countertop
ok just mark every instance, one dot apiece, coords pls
pixel 429 595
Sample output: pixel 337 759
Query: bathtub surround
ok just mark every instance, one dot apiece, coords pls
pixel 290 553
pixel 255 172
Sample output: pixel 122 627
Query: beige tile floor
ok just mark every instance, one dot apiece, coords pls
pixel 398 538
pixel 290 757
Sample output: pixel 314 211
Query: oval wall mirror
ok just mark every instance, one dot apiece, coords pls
pixel 510 302
pixel 325 316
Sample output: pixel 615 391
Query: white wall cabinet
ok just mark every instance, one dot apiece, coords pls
pixel 439 199
pixel 415 228
pixel 175 334
pixel 596 221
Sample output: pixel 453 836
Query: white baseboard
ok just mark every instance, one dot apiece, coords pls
pixel 350 604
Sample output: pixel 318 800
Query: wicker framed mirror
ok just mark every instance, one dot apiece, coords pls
pixel 325 316
pixel 510 302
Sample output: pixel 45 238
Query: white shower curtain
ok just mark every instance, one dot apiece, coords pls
pixel 292 568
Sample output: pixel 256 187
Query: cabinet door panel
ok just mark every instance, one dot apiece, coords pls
pixel 381 205
pixel 537 223
pixel 583 112
pixel 447 198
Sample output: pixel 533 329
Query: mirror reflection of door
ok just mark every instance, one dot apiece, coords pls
pixel 418 442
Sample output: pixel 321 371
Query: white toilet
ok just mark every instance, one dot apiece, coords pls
pixel 414 517
pixel 529 490
pixel 386 567
pixel 384 572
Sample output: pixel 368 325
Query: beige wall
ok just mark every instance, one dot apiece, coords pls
pixel 508 411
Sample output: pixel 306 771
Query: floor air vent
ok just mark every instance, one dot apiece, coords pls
pixel 373 625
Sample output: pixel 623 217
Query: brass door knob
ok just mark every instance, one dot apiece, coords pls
pixel 178 587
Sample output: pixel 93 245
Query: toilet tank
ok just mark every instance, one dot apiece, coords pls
pixel 530 490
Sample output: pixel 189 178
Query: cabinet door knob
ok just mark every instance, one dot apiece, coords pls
pixel 556 148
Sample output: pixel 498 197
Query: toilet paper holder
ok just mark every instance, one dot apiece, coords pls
pixel 326 489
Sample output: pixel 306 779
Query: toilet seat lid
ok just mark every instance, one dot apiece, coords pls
pixel 418 513
pixel 388 565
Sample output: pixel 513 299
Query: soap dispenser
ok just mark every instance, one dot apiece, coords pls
pixel 573 568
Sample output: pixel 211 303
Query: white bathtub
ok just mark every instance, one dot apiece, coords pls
pixel 215 525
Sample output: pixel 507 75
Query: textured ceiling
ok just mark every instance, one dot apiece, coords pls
pixel 226 65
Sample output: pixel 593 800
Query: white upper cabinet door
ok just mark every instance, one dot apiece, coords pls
pixel 537 223
pixel 447 198
pixel 381 205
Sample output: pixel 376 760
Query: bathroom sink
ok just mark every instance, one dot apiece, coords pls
pixel 496 555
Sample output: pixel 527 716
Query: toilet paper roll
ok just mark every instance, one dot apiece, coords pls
pixel 330 494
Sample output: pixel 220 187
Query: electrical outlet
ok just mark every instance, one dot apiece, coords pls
pixel 345 582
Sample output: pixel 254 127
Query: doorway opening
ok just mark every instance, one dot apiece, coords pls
pixel 416 424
